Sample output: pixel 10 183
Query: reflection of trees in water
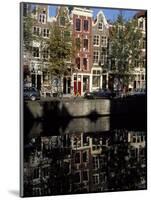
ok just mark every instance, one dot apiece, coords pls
pixel 78 163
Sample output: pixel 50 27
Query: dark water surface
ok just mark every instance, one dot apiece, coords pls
pixel 83 155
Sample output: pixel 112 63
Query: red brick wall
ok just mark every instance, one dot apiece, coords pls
pixel 82 34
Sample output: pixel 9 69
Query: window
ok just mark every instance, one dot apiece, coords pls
pixel 100 26
pixel 85 63
pixel 84 156
pixel 96 78
pixel 62 21
pixel 141 24
pixel 103 59
pixel 85 175
pixel 95 162
pixel 36 31
pixel 85 44
pixel 36 52
pixel 77 177
pixel 77 157
pixel 78 62
pixel 78 43
pixel 42 18
pixel 104 41
pixel 45 171
pixel 86 25
pixel 78 24
pixel 96 40
pixel 96 179
pixel 134 139
pixel 95 57
pixel 143 77
pixel 45 32
pixel 45 53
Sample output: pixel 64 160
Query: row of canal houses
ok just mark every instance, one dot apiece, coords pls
pixel 91 64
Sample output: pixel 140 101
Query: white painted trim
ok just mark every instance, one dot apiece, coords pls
pixel 82 12
pixel 104 19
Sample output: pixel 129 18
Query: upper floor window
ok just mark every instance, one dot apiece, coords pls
pixel 95 57
pixel 86 25
pixel 96 40
pixel 78 24
pixel 96 179
pixel 103 59
pixel 45 32
pixel 104 41
pixel 62 21
pixel 78 62
pixel 85 44
pixel 85 176
pixel 77 157
pixel 45 54
pixel 85 63
pixel 35 52
pixel 36 30
pixel 77 43
pixel 141 24
pixel 42 18
pixel 95 162
pixel 85 156
pixel 100 26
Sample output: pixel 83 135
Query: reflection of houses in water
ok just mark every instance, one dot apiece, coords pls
pixel 79 163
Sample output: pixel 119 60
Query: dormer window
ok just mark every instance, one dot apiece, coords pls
pixel 100 26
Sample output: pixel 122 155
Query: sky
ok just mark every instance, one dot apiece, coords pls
pixel 110 14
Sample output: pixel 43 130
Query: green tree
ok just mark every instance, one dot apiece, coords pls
pixel 125 48
pixel 60 50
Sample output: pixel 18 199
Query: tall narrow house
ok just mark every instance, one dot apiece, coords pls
pixel 82 44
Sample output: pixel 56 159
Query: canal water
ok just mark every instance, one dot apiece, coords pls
pixel 85 155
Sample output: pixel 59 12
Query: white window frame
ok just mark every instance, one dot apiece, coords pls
pixel 96 40
pixel 87 63
pixel 94 60
pixel 36 27
pixel 100 29
pixel 83 45
pixel 96 74
pixel 88 25
pixel 104 41
pixel 38 53
pixel 41 17
pixel 80 24
pixel 47 33
pixel 96 180
pixel 103 58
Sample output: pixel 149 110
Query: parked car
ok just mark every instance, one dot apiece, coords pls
pixel 137 92
pixel 31 93
pixel 99 94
